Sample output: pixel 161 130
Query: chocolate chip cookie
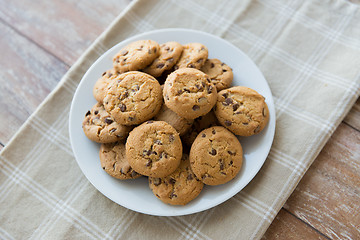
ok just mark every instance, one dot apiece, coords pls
pixel 189 92
pixel 200 123
pixel 113 161
pixel 169 55
pixel 133 98
pixel 180 187
pixel 216 156
pixel 182 125
pixel 220 74
pixel 193 55
pixel 242 110
pixel 135 56
pixel 100 87
pixel 100 127
pixel 154 149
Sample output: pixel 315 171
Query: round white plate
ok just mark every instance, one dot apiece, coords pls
pixel 135 194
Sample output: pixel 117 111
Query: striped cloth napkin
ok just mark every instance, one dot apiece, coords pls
pixel 309 52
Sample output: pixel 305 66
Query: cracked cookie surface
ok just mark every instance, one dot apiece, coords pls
pixel 189 92
pixel 193 55
pixel 136 55
pixel 242 110
pixel 220 74
pixel 154 149
pixel 170 53
pixel 180 187
pixel 113 161
pixel 216 156
pixel 100 127
pixel 133 98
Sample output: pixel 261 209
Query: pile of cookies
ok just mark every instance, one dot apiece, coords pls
pixel 168 112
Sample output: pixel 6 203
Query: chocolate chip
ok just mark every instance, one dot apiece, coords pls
pixel 158 142
pixel 190 177
pixel 231 162
pixel 231 153
pixel 137 87
pixel 96 112
pixel 210 89
pixel 172 181
pixel 221 162
pixel 130 119
pixel 208 80
pixel 200 60
pixel 163 155
pixel 223 173
pixel 160 65
pixel 103 74
pixel 172 195
pixel 124 52
pixel 180 91
pixel 212 65
pixel 103 168
pixel 224 70
pixel 198 86
pixel 213 152
pixel 110 74
pixel 126 94
pixel 134 174
pixel 157 181
pixel 176 67
pixel 225 95
pixel 195 107
pixel 167 48
pixel 244 123
pixel 148 164
pixel 87 113
pixel 213 131
pixel 263 112
pixel 228 123
pixel 112 130
pixel 235 106
pixel 122 107
pixel 108 120
pixel 191 65
pixel 171 138
pixel 186 90
pixel 203 135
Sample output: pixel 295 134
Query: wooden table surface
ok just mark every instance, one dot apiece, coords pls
pixel 41 39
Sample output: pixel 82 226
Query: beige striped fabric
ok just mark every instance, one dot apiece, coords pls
pixel 309 52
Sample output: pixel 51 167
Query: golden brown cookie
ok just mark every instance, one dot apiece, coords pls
pixel 220 74
pixel 133 98
pixel 189 92
pixel 216 156
pixel 100 127
pixel 113 161
pixel 169 55
pixel 101 85
pixel 135 56
pixel 182 125
pixel 242 110
pixel 200 123
pixel 193 55
pixel 154 149
pixel 180 187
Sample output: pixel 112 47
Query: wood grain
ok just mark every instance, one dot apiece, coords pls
pixel 64 28
pixel 353 117
pixel 27 75
pixel 286 226
pixel 328 196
